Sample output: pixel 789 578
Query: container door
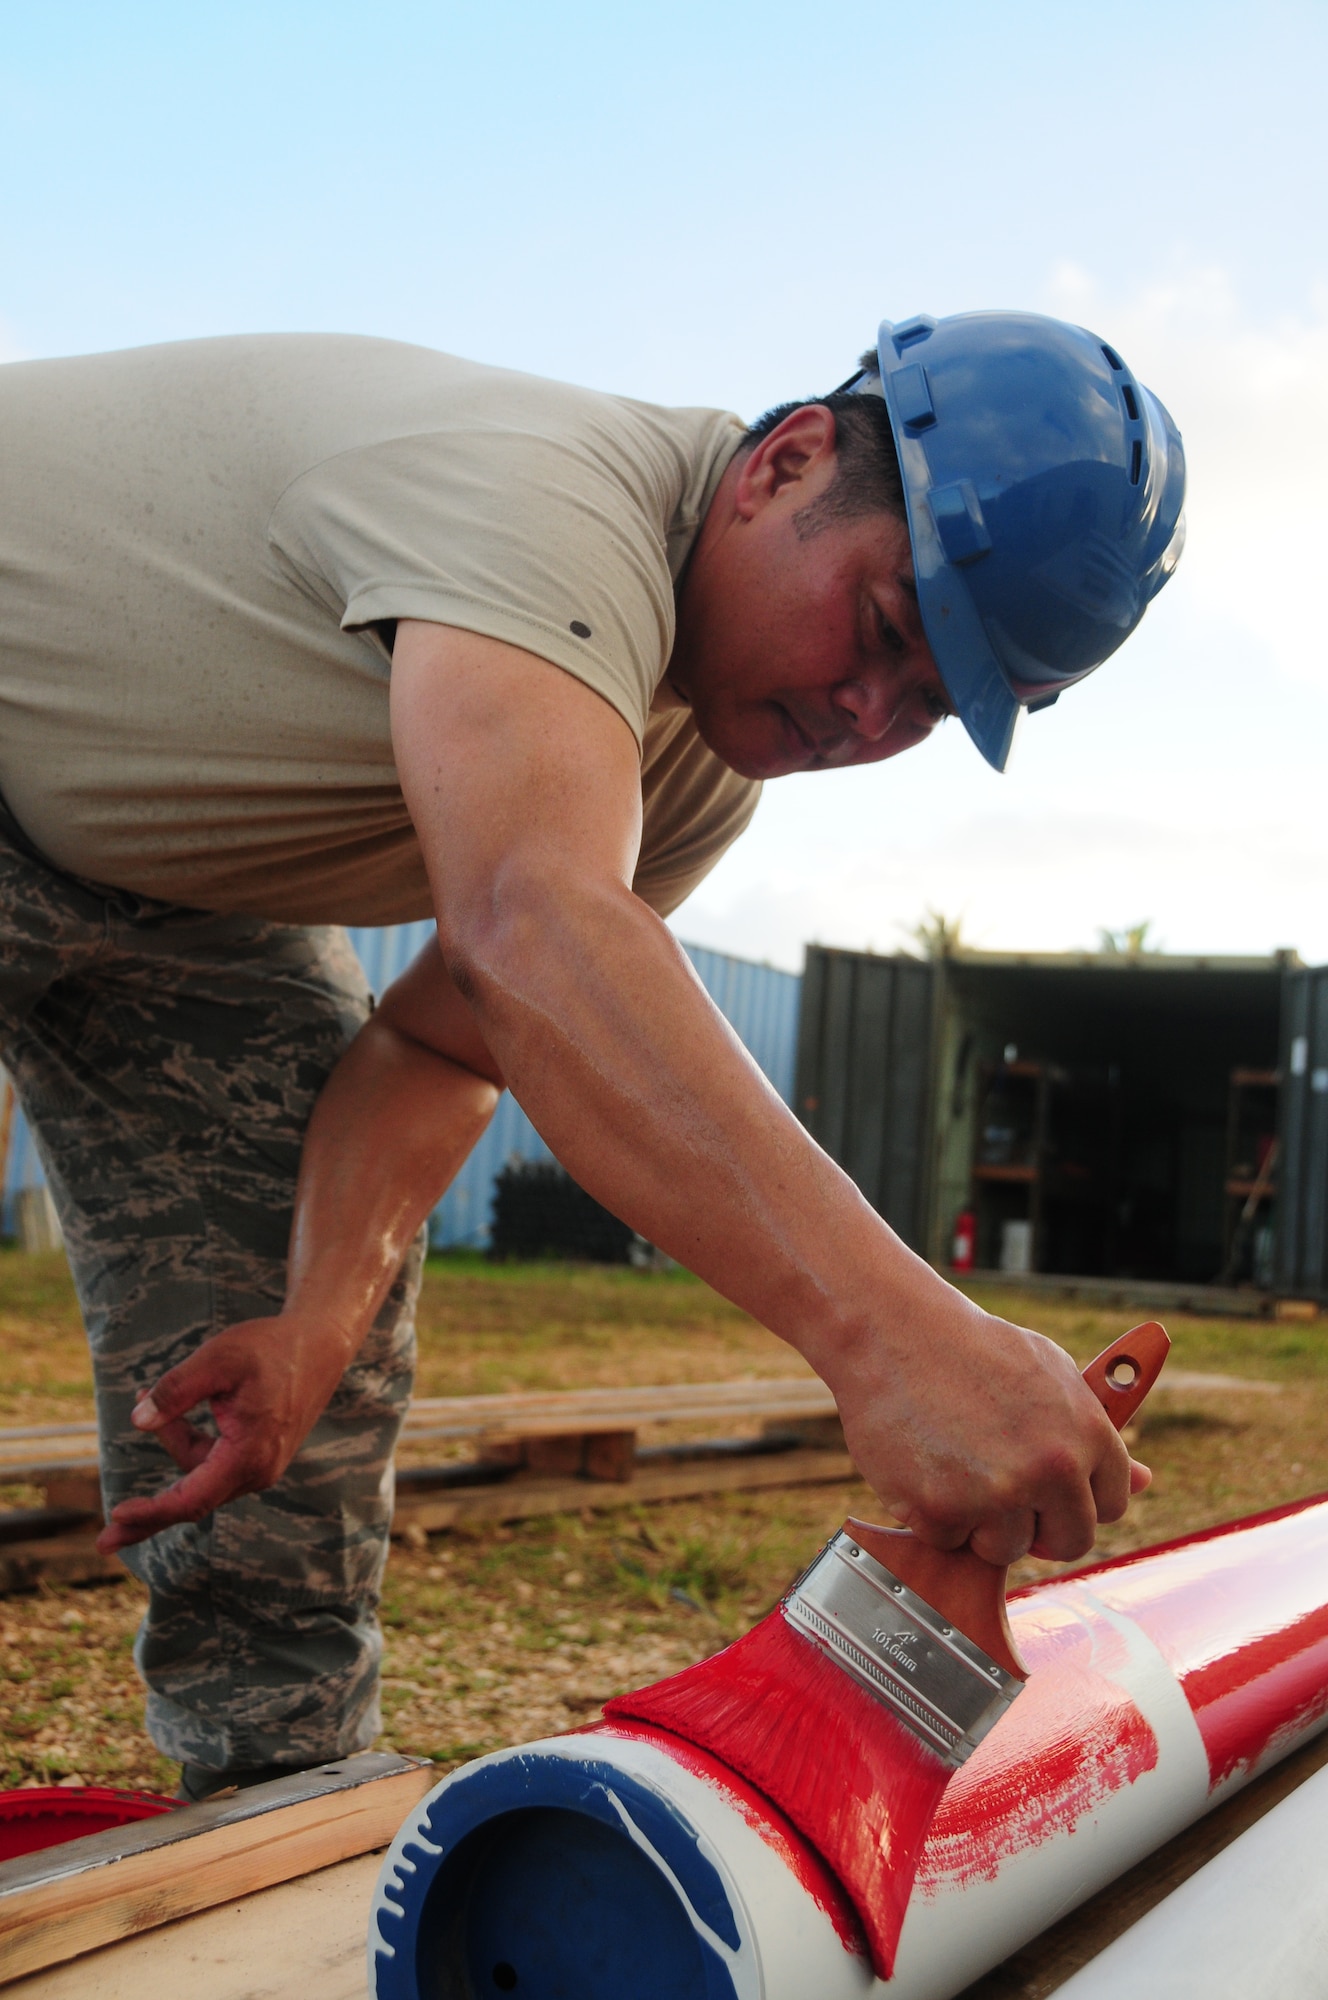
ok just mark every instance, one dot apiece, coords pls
pixel 864 1081
pixel 1302 1173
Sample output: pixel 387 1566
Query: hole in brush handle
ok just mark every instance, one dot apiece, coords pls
pixel 1123 1373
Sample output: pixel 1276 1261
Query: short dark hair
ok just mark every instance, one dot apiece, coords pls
pixel 867 480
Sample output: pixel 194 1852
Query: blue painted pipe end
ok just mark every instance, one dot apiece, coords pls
pixel 551 1879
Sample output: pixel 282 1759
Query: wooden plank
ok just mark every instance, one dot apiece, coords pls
pixel 1047 1962
pixel 826 1432
pixel 611 1455
pixel 523 1499
pixel 36 1467
pixel 25 1452
pixel 303 1938
pixel 592 1455
pixel 71 1899
pixel 517 1496
pixel 528 1412
pixel 79 1489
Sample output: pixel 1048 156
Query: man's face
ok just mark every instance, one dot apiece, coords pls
pixel 799 646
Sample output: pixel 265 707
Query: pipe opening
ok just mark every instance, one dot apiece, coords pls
pixel 546 1902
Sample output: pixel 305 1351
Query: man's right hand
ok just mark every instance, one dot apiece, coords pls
pixel 984 1434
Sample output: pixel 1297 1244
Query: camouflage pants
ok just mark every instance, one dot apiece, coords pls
pixel 168 1062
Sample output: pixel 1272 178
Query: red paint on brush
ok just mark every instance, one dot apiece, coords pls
pixel 856 1783
pixel 802 1861
pixel 1238 1615
pixel 1072 1739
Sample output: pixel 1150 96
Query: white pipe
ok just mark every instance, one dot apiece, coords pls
pixel 619 1860
pixel 1251 1925
pixel 1100 1685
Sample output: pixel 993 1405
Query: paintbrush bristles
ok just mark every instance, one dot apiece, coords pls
pixel 855 1782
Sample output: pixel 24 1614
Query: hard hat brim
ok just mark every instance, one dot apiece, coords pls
pixel 959 645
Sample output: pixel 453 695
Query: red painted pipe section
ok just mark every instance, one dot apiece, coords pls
pixel 1239 1614
pixel 1161 1682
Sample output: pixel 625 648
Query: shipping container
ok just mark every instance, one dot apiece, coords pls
pixel 1148 1117
pixel 1302 1211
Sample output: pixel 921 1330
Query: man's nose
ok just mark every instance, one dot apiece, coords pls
pixel 868 703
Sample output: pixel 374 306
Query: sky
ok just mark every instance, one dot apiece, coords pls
pixel 715 204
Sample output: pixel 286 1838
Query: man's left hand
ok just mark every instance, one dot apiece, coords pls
pixel 267 1382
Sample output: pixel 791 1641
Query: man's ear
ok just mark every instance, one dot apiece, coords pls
pixel 794 460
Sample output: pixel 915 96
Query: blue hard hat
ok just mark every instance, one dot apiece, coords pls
pixel 1045 489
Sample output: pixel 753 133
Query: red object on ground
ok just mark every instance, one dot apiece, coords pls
pixel 47 1815
pixel 964 1248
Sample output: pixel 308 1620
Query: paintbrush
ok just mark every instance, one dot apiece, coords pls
pixel 852 1705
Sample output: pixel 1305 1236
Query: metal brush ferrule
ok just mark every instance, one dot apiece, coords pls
pixel 896 1647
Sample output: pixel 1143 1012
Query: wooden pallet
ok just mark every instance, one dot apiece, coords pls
pixel 534 1453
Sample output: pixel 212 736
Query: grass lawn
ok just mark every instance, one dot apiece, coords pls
pixel 499 1636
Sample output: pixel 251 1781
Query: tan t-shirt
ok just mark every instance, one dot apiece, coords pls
pixel 203 546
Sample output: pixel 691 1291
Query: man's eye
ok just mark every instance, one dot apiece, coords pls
pixel 887 634
pixel 936 705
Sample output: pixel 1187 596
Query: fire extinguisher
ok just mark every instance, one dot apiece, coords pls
pixel 965 1240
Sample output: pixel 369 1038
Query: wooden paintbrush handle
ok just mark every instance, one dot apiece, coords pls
pixel 1124 1373
pixel 970 1593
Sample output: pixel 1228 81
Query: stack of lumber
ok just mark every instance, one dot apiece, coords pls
pixel 525 1454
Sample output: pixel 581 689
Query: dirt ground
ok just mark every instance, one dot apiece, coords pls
pixel 499 1636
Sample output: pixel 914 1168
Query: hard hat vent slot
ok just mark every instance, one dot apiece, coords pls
pixel 1131 401
pixel 1136 461
pixel 1113 358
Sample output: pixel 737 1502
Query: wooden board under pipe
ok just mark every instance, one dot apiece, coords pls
pixel 71 1899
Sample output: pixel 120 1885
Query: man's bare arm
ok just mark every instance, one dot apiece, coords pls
pixel 525 792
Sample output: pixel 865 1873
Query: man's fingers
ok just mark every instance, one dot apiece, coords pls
pixel 221 1477
pixel 187 1445
pixel 1005 1540
pixel 1141 1476
pixel 937 1530
pixel 1067 1529
pixel 209 1372
pixel 1112 1480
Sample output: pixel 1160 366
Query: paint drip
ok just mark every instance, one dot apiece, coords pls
pixel 803 1863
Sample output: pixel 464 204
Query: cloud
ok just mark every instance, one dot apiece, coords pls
pixel 1029 882
pixel 1249 390
pixel 10 346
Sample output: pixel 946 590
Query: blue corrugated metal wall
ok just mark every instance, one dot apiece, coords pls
pixel 760 1002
